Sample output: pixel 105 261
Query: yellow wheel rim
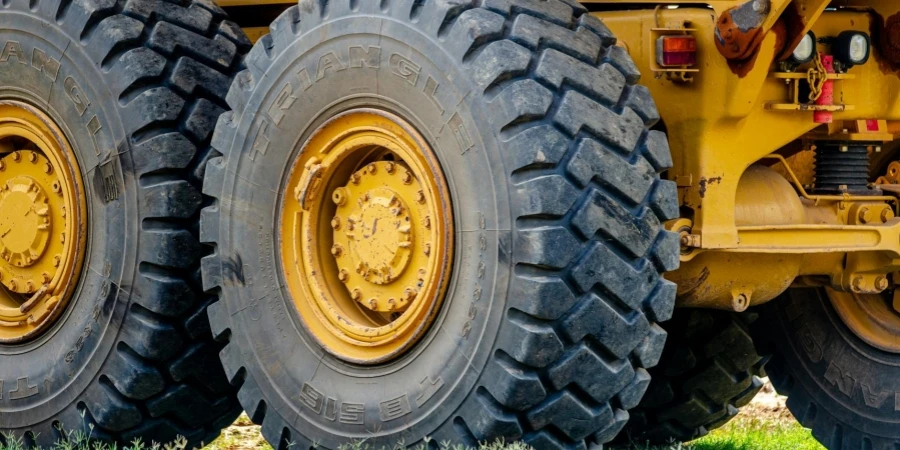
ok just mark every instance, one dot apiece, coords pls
pixel 42 222
pixel 366 236
pixel 875 318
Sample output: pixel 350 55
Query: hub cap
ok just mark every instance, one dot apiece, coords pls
pixel 41 222
pixel 366 236
pixel 874 318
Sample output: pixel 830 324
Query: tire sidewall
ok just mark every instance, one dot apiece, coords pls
pixel 418 392
pixel 46 375
pixel 854 382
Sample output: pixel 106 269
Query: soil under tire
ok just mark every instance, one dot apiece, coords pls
pixel 134 354
pixel 562 348
pixel 709 368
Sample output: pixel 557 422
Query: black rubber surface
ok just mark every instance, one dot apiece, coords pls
pixel 709 368
pixel 842 388
pixel 137 87
pixel 550 320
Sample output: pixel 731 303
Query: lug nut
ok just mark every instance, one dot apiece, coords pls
pixel 339 196
pixel 373 303
pixel 420 197
pixel 32 156
pixel 343 275
pixel 337 251
pixel 56 260
pixel 336 223
pixel 29 287
pixel 16 156
pixel 372 168
pixel 354 178
pixel 389 167
pixel 48 169
pixel 428 249
pixel 2 165
pixel 12 285
pixel 427 222
pixel 407 177
pixel 45 278
pixel 356 295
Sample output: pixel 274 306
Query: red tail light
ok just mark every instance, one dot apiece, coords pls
pixel 676 51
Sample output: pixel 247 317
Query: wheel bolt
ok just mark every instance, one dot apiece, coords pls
pixel 427 222
pixel 407 177
pixel 339 196
pixel 372 168
pixel 354 178
pixel 336 223
pixel 12 285
pixel 881 283
pixel 29 287
pixel 356 295
pixel 420 197
pixel 56 260
pixel 32 156
pixel 337 251
pixel 428 249
pixel 857 284
pixel 2 165
pixel 389 167
pixel 48 169
pixel 16 156
pixel 45 278
pixel 343 275
pixel 373 303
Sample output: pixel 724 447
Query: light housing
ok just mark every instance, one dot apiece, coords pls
pixel 676 51
pixel 805 50
pixel 852 48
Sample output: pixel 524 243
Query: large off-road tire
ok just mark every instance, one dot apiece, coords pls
pixel 136 87
pixel 709 368
pixel 549 320
pixel 844 389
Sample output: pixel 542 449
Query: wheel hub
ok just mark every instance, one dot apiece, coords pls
pixel 366 236
pixel 874 318
pixel 41 222
pixel 378 236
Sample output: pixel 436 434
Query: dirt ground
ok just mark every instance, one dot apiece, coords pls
pixel 767 405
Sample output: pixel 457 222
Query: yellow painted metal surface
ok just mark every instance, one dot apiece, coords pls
pixel 42 222
pixel 367 236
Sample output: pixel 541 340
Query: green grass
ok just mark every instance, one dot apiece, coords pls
pixel 748 434
pixel 754 434
pixel 740 434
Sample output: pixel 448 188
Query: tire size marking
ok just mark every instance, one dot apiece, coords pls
pixel 842 372
pixel 354 413
pixel 88 329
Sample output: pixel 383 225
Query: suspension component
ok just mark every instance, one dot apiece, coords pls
pixel 843 168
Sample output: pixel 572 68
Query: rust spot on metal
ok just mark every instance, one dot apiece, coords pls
pixel 886 39
pixel 739 32
pixel 706 182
